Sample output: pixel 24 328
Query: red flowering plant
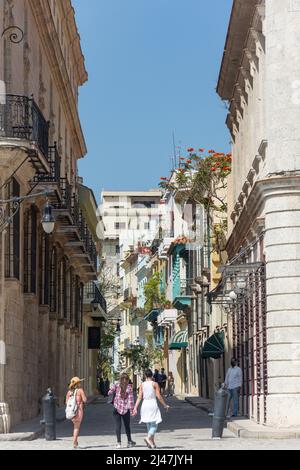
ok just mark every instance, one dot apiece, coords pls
pixel 202 179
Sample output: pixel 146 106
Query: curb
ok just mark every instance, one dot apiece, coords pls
pixel 32 436
pixel 244 433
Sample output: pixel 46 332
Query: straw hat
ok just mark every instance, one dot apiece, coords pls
pixel 75 381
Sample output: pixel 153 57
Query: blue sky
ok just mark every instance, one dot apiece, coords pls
pixel 153 68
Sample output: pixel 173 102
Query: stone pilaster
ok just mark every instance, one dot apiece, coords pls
pixel 43 350
pixel 61 370
pixel 282 211
pixel 282 250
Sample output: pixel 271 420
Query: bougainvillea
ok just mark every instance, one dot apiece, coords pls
pixel 202 178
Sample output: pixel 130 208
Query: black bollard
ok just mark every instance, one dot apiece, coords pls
pixel 221 397
pixel 49 415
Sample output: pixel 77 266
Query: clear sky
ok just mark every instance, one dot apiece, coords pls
pixel 153 68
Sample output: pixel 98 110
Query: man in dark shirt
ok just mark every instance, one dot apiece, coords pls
pixel 156 376
pixel 162 381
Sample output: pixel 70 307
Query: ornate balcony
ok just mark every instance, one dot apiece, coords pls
pixel 182 293
pixel 22 120
pixel 93 297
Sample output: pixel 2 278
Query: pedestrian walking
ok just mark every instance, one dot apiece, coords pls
pixel 171 385
pixel 123 403
pixel 162 381
pixel 106 386
pixel 233 383
pixel 149 393
pixel 156 376
pixel 76 391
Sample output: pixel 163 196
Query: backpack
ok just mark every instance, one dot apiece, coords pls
pixel 72 406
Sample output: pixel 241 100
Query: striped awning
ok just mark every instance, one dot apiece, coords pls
pixel 179 340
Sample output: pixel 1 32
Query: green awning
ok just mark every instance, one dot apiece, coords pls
pixel 214 347
pixel 152 315
pixel 179 340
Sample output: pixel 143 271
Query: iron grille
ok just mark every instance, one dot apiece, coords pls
pixel 12 248
pixel 21 118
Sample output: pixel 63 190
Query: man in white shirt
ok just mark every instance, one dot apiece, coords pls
pixel 233 383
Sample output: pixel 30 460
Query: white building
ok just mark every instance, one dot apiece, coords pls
pixel 259 78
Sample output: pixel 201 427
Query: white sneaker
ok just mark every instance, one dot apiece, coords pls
pixel 119 446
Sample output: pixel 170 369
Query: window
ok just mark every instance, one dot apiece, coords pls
pixel 30 247
pixel 44 271
pixel 143 204
pixel 120 225
pixel 62 289
pixel 78 303
pixel 53 280
pixel 147 226
pixel 117 249
pixel 12 240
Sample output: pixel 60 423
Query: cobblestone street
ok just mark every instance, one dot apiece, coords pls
pixel 184 428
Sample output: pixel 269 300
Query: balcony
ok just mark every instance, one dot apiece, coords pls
pixel 182 294
pixel 22 120
pixel 54 165
pixel 73 229
pixel 137 316
pixel 92 294
pixel 158 336
pixel 167 240
pixel 167 317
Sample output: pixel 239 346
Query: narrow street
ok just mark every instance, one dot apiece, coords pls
pixel 184 428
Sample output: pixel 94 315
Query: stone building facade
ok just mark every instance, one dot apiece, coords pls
pixel 259 79
pixel 41 276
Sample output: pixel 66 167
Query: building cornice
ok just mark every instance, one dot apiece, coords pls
pixel 69 15
pixel 253 211
pixel 243 15
pixel 51 45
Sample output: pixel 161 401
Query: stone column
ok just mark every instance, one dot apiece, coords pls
pixel 282 211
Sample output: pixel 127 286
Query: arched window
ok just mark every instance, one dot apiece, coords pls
pixel 77 302
pixel 53 280
pixel 62 289
pixel 72 297
pixel 30 247
pixel 12 239
pixel 44 269
pixel 68 294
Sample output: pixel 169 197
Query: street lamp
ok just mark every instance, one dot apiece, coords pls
pixel 48 220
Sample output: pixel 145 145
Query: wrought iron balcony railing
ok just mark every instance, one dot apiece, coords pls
pixel 54 161
pixel 66 195
pixel 92 293
pixel 21 118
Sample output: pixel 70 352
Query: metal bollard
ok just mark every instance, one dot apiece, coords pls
pixel 221 397
pixel 49 415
